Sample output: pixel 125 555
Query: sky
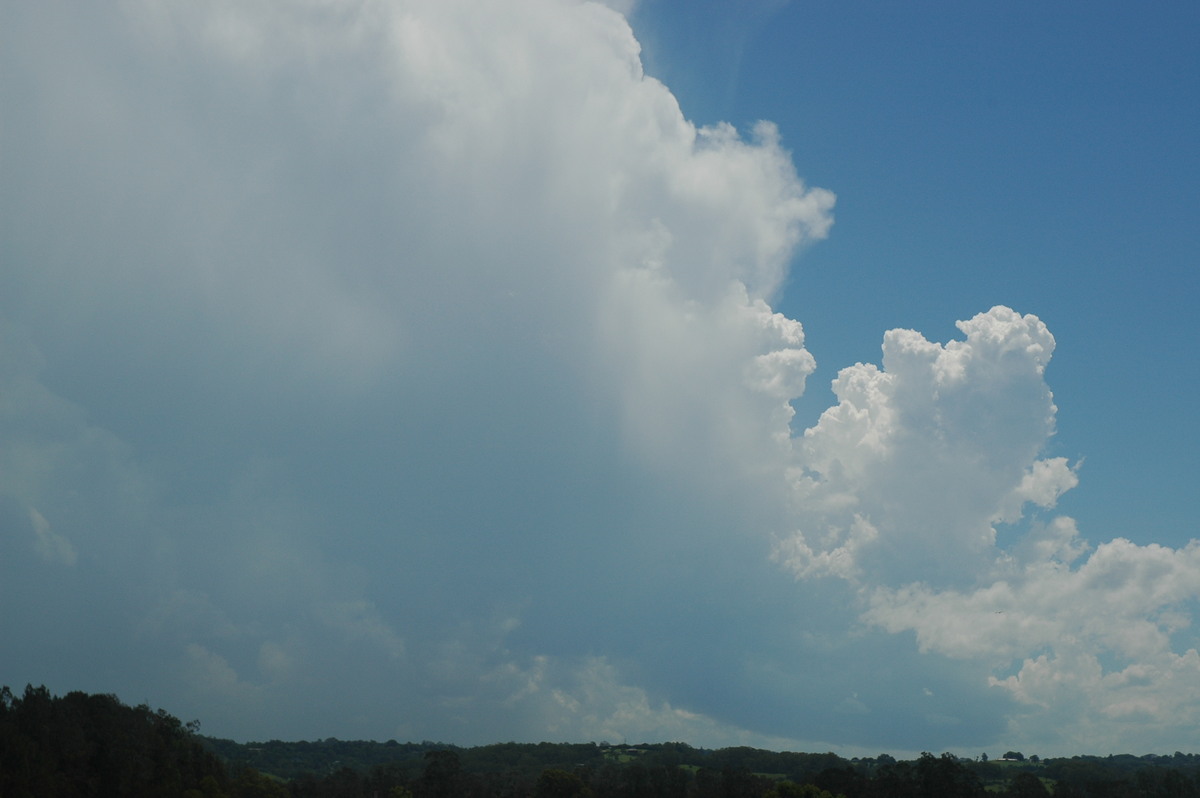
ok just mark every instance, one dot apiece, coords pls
pixel 810 376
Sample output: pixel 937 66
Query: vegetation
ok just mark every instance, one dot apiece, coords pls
pixel 85 745
pixel 93 745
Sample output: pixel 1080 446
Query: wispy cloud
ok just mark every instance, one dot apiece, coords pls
pixel 50 546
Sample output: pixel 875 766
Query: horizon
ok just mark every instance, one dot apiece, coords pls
pixel 195 727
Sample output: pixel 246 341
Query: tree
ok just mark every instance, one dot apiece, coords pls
pixel 790 789
pixel 557 783
pixel 945 777
pixel 252 784
pixel 84 744
pixel 442 774
pixel 1026 785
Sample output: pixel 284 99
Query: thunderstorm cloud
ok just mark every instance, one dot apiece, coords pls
pixel 410 370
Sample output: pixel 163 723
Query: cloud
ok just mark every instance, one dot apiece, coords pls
pixel 50 546
pixel 360 621
pixel 909 473
pixel 411 370
pixel 1099 652
pixel 212 678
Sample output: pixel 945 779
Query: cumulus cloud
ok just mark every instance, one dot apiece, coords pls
pixel 1099 652
pixel 910 477
pixel 426 352
pixel 909 473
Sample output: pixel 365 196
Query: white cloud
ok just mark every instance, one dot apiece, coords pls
pixel 1042 484
pixel 1110 639
pixel 901 488
pixel 913 467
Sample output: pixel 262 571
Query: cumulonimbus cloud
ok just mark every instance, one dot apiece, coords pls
pixel 428 348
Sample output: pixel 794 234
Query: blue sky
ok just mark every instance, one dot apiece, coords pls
pixel 1029 154
pixel 792 375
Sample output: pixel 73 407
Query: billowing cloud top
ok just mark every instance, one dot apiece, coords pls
pixel 409 369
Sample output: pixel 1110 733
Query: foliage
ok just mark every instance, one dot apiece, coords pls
pixel 93 745
pixel 288 760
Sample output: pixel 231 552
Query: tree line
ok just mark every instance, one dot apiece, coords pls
pixel 93 745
